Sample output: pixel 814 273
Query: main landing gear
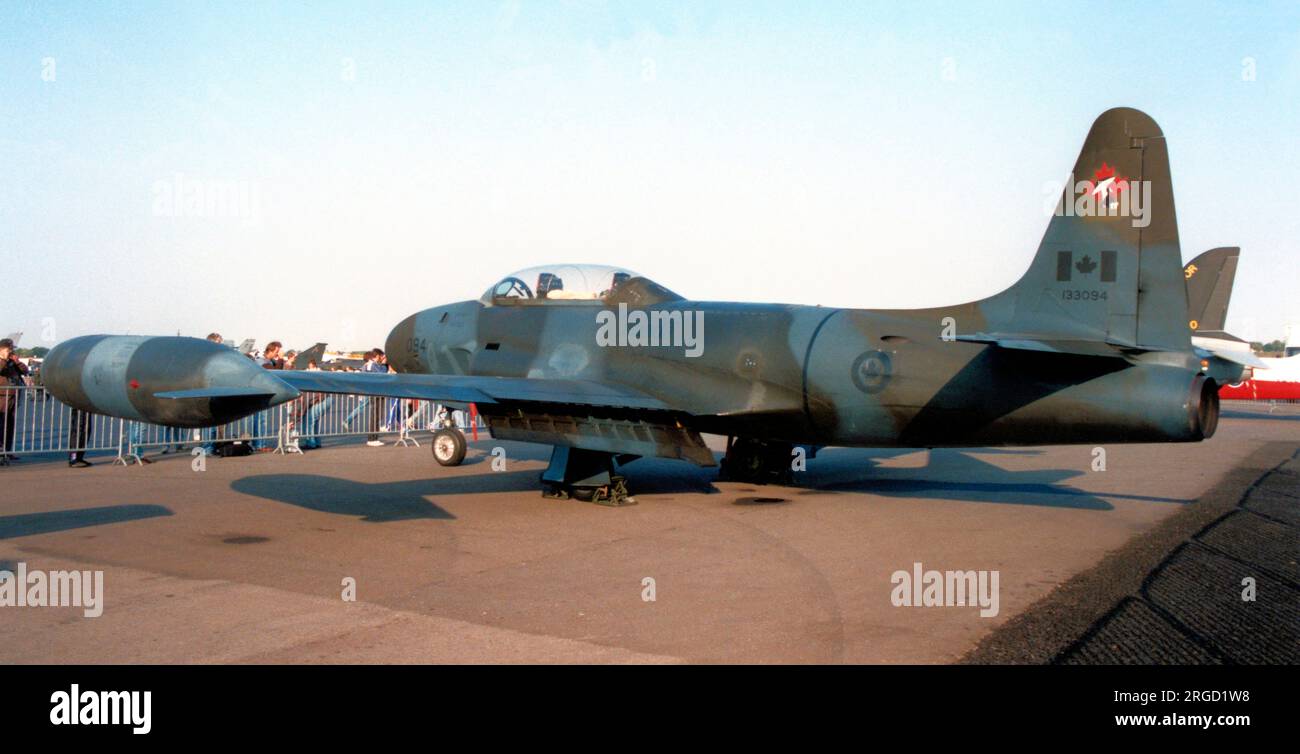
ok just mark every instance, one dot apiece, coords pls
pixel 586 475
pixel 757 461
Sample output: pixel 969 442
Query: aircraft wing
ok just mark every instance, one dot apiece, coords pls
pixel 1244 358
pixel 573 413
pixel 482 390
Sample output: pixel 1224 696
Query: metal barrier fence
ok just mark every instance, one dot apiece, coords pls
pixel 33 422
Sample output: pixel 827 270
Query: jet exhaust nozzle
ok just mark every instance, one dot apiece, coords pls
pixel 1203 407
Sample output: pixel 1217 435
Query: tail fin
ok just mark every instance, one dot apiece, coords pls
pixel 1209 288
pixel 315 353
pixel 1108 273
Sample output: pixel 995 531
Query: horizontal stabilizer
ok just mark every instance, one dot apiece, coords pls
pixel 1244 358
pixel 216 392
pixel 1022 342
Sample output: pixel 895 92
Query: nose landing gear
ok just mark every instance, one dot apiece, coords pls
pixel 449 446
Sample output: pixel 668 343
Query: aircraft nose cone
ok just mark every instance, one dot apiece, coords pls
pixel 403 347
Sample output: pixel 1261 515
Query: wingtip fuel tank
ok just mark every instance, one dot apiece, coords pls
pixel 176 381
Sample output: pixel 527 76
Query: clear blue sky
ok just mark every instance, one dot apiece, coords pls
pixel 398 155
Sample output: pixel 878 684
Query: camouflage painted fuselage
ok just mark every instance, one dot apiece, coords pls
pixel 822 376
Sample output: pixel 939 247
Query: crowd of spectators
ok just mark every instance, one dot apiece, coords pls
pixel 13 374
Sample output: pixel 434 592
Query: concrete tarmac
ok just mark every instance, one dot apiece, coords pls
pixel 246 561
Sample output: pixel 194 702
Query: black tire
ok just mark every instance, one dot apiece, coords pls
pixel 449 447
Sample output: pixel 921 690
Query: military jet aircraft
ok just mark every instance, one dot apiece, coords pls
pixel 1090 346
pixel 1209 289
pixel 309 356
pixel 1209 278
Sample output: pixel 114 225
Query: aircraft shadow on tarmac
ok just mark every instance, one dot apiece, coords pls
pixel 947 475
pixel 381 501
pixel 27 524
pixel 957 475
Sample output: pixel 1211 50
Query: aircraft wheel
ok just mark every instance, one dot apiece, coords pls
pixel 449 447
pixel 757 462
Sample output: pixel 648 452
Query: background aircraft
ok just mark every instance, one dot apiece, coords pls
pixel 313 354
pixel 1209 290
pixel 1092 345
pixel 1280 382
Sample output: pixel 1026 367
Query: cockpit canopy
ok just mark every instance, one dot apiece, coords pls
pixel 570 283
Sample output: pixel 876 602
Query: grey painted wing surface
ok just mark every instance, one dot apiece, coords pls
pixel 466 389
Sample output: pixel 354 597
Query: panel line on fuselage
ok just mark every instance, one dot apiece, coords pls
pixel 807 359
